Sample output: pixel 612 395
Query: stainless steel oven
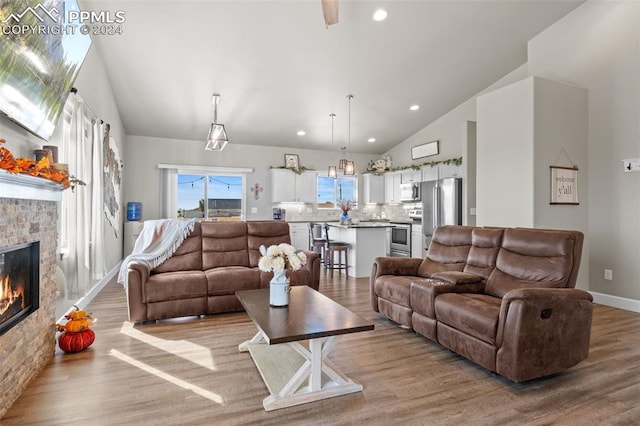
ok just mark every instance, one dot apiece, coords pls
pixel 400 240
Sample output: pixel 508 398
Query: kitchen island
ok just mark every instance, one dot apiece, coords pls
pixel 367 240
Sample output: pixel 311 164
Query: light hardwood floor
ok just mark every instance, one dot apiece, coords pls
pixel 189 371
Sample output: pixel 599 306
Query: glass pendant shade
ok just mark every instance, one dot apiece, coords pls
pixel 217 139
pixel 341 163
pixel 349 165
pixel 349 168
pixel 332 172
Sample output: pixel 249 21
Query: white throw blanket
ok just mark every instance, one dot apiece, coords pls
pixel 157 242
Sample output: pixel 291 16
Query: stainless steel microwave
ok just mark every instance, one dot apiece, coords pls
pixel 410 192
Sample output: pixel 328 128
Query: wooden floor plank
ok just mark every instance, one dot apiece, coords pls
pixel 189 371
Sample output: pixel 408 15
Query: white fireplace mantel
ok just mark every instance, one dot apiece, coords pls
pixel 27 187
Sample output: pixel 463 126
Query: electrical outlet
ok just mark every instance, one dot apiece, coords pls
pixel 608 274
pixel 631 165
pixel 254 210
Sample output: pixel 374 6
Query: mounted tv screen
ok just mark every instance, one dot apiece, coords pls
pixel 40 56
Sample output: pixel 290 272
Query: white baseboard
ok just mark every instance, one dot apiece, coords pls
pixel 616 302
pixel 84 301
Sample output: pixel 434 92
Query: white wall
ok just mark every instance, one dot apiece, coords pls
pixel 469 168
pixel 560 139
pixel 504 179
pixel 143 178
pixel 598 46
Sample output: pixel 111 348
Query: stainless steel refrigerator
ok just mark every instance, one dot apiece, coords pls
pixel 441 205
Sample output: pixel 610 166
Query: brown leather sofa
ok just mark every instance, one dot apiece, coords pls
pixel 215 261
pixel 503 298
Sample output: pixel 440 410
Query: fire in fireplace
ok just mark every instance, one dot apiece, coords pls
pixel 19 283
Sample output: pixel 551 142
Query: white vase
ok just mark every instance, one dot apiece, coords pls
pixel 279 289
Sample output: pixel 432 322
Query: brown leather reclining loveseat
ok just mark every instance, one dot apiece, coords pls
pixel 503 298
pixel 215 261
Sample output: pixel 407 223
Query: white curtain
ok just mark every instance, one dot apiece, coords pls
pixel 168 193
pixel 76 152
pixel 82 214
pixel 98 269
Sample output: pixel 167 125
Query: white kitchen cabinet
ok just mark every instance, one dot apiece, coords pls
pixel 449 170
pixel 410 176
pixel 429 173
pixel 287 186
pixel 299 233
pixel 373 187
pixel 392 187
pixel 417 241
pixel 441 171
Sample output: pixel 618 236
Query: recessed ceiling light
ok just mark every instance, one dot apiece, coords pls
pixel 370 140
pixel 301 133
pixel 414 107
pixel 379 15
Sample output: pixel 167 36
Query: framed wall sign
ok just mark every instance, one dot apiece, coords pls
pixel 424 150
pixel 291 161
pixel 564 185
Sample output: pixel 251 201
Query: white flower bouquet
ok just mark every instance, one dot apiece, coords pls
pixel 279 257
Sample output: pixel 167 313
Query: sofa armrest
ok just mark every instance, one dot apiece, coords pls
pixel 405 266
pixel 137 276
pixel 542 331
pixel 424 291
pixel 313 266
pixel 399 266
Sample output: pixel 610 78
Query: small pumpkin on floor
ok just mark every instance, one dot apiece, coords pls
pixel 76 335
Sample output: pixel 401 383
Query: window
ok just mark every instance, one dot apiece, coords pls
pixel 333 190
pixel 223 195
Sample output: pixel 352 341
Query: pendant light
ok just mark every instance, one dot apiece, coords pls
pixel 217 138
pixel 332 169
pixel 349 165
pixel 343 160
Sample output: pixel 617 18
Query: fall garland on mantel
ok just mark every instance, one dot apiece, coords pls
pixel 41 168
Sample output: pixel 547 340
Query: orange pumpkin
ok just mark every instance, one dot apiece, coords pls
pixel 78 320
pixel 76 342
pixel 76 325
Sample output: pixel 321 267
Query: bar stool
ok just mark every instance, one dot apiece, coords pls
pixel 316 244
pixel 332 248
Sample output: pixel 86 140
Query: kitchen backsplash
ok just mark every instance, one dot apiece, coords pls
pixel 309 213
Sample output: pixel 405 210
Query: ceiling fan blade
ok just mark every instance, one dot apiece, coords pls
pixel 330 12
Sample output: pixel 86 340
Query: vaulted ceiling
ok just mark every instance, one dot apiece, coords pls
pixel 279 70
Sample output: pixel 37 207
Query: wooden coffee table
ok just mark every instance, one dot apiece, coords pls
pixel 295 373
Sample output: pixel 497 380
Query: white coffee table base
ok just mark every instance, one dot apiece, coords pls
pixel 296 375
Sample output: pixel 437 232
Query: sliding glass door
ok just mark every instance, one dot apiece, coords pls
pixel 217 197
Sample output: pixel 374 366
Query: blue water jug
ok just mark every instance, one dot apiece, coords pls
pixel 134 211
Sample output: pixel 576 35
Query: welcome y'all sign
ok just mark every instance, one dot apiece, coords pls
pixel 564 185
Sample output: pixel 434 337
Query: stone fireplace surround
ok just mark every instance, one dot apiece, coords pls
pixel 26 348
